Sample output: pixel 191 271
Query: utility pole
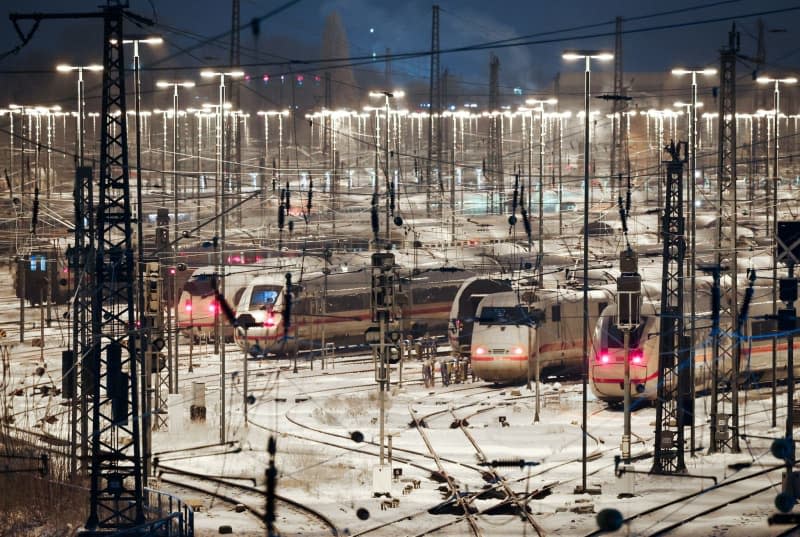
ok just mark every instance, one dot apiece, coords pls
pixel 618 130
pixel 235 137
pixel 788 250
pixel 382 308
pixel 494 161
pixel 629 299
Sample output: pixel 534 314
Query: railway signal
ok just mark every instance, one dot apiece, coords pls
pixel 629 299
pixel 382 308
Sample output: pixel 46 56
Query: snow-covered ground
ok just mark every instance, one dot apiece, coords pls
pixel 315 414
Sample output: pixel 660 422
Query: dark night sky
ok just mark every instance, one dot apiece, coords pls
pixel 373 26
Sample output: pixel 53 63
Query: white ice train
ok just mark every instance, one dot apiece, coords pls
pixel 465 305
pixel 335 308
pixel 197 306
pixel 607 362
pixel 514 330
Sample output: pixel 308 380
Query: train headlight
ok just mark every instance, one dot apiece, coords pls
pixel 636 357
pixel 518 351
pixel 480 351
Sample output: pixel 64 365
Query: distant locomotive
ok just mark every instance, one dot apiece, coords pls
pixel 43 275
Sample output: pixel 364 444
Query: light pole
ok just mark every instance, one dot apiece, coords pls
pixel 691 109
pixel 80 132
pixel 587 56
pixel 219 225
pixel 174 358
pixel 540 108
pixel 775 146
pixel 386 95
pixel 137 87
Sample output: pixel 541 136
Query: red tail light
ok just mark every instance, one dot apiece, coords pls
pixel 603 357
pixel 636 357
pixel 212 308
pixel 269 322
pixel 187 306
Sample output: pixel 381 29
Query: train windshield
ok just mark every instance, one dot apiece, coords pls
pixel 614 336
pixel 503 316
pixel 264 295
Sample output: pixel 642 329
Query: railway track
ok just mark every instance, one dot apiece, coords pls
pixel 521 504
pixel 253 499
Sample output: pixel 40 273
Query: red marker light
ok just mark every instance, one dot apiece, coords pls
pixel 603 357
pixel 212 308
pixel 269 322
pixel 636 357
pixel 187 306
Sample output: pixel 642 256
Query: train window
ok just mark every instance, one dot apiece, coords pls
pixel 264 295
pixel 352 302
pixel 762 328
pixel 303 306
pixel 616 336
pixel 238 295
pixel 555 313
pixel 503 315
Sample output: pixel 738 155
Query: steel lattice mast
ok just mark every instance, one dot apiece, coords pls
pixel 494 162
pixel 435 110
pixel 668 456
pixel 725 365
pixel 116 484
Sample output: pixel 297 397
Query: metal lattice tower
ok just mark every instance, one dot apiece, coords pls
pixel 435 100
pixel 82 267
pixel 116 480
pixel 725 365
pixel 668 456
pixel 494 162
